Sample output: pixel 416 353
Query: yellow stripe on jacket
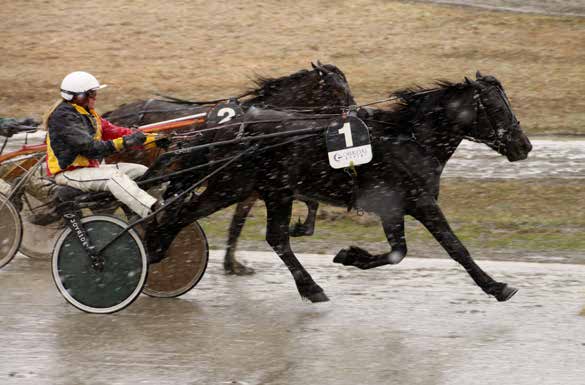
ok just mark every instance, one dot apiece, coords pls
pixel 80 160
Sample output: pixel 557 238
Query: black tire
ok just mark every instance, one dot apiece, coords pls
pixel 10 231
pixel 38 242
pixel 124 274
pixel 183 266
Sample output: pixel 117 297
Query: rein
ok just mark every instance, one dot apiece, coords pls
pixel 141 113
pixel 206 102
pixel 196 133
pixel 395 97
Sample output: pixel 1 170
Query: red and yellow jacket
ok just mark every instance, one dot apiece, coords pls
pixel 80 138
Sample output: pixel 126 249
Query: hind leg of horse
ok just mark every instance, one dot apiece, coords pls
pixel 230 264
pixel 393 224
pixel 308 227
pixel 278 218
pixel 159 236
pixel 431 216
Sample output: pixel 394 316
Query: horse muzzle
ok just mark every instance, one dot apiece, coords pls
pixel 518 148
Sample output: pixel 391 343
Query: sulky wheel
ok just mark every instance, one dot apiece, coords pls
pixel 10 231
pixel 183 266
pixel 39 239
pixel 124 271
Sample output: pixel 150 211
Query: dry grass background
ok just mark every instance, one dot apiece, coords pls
pixel 535 220
pixel 207 49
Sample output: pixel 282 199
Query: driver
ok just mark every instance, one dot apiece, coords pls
pixel 78 139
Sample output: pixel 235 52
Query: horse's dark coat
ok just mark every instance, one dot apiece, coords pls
pixel 411 144
pixel 322 89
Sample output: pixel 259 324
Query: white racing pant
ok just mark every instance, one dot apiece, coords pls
pixel 116 178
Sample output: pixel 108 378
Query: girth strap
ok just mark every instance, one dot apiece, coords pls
pixel 352 172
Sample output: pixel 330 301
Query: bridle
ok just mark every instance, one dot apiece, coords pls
pixel 498 138
pixel 334 79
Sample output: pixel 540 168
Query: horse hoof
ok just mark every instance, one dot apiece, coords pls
pixel 506 293
pixel 396 257
pixel 300 230
pixel 318 297
pixel 341 257
pixel 239 269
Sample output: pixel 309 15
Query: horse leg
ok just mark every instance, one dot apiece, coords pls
pixel 160 235
pixel 278 218
pixel 230 264
pixel 393 224
pixel 308 228
pixel 430 215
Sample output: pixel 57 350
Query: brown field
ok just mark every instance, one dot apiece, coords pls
pixel 504 220
pixel 205 49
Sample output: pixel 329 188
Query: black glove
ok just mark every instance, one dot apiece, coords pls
pixel 163 142
pixel 134 139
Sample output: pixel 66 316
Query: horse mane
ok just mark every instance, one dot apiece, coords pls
pixel 413 95
pixel 265 84
pixel 403 116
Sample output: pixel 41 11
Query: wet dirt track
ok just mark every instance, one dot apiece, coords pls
pixel 421 322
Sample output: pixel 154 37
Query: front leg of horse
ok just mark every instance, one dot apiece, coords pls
pixel 278 218
pixel 360 258
pixel 430 215
pixel 230 264
pixel 308 227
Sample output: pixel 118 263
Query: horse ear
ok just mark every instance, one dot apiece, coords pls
pixel 478 75
pixel 319 68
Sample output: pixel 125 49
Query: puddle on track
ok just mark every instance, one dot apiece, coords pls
pixel 421 322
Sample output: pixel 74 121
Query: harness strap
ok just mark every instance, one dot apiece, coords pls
pixel 352 172
pixel 196 102
pixel 144 111
pixel 241 130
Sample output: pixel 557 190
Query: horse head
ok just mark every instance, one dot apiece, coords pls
pixel 495 123
pixel 335 81
pixel 325 85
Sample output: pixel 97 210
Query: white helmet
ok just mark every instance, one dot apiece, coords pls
pixel 77 83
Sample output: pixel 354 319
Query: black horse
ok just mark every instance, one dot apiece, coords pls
pixel 323 89
pixel 411 145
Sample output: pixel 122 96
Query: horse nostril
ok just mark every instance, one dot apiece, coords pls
pixel 527 145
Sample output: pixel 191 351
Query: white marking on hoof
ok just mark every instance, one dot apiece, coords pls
pixel 396 257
